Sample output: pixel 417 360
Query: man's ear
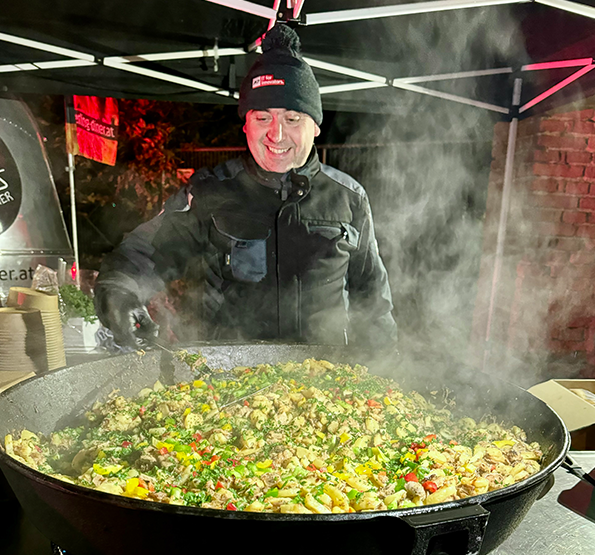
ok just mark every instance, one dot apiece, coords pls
pixel 244 127
pixel 316 130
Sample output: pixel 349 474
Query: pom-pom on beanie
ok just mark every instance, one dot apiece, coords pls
pixel 280 78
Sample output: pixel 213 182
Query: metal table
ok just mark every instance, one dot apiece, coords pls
pixel 548 529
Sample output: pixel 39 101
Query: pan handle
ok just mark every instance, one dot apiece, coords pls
pixel 445 531
pixel 576 470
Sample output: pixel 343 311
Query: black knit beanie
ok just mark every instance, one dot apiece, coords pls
pixel 280 78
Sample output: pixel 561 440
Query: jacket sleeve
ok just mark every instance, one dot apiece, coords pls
pixel 370 301
pixel 155 253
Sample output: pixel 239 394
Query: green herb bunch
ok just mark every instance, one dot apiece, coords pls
pixel 75 304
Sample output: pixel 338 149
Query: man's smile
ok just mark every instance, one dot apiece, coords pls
pixel 277 150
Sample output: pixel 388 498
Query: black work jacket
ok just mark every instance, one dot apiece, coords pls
pixel 297 263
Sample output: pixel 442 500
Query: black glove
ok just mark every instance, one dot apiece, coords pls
pixel 126 316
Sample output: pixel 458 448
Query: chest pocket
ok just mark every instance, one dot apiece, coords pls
pixel 243 246
pixel 337 232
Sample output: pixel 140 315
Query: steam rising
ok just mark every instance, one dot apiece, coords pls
pixel 428 190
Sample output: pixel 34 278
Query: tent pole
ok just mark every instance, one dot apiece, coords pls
pixel 75 237
pixel 504 210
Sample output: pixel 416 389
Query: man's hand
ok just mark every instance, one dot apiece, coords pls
pixel 127 318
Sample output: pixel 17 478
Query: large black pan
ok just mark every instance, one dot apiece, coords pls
pixel 88 522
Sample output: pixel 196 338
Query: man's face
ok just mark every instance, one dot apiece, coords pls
pixel 280 139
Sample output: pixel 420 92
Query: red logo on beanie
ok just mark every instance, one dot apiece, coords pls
pixel 265 81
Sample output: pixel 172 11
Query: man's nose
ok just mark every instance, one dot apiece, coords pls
pixel 275 132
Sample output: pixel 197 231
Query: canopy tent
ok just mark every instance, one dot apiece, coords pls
pixel 468 51
pixel 511 57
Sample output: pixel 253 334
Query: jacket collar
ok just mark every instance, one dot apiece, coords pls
pixel 276 180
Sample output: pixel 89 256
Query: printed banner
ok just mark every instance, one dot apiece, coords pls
pixel 92 127
pixel 10 189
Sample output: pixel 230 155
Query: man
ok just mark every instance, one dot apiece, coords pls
pixel 283 246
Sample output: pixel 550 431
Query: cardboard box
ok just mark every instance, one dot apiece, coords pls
pixel 8 379
pixel 577 414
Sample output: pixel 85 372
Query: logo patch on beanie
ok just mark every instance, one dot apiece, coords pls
pixel 265 81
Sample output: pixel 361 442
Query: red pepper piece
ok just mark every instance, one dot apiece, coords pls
pixel 218 485
pixel 210 387
pixel 373 403
pixel 411 477
pixel 430 487
pixel 231 507
pixel 142 410
pixel 126 444
pixel 197 436
pixel 246 403
pixel 163 451
pixel 430 437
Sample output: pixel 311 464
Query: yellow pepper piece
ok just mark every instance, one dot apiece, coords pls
pixel 184 387
pixel 503 443
pixel 320 434
pixel 387 401
pixel 330 468
pixel 106 470
pixel 227 427
pixel 205 407
pixel 131 485
pixel 141 492
pixel 264 464
pixel 408 456
pixel 344 438
pixel 421 453
pixel 187 411
pixel 361 469
pixel 198 384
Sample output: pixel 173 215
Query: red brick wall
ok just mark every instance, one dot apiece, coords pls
pixel 546 298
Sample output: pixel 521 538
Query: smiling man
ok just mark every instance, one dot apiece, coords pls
pixel 282 247
pixel 280 139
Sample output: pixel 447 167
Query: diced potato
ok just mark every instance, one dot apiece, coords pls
pixel 294 508
pixel 440 496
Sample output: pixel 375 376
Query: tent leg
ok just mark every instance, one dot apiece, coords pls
pixel 504 210
pixel 75 238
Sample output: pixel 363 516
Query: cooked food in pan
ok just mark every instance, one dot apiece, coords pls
pixel 311 437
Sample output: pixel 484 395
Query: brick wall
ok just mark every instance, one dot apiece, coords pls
pixel 545 308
